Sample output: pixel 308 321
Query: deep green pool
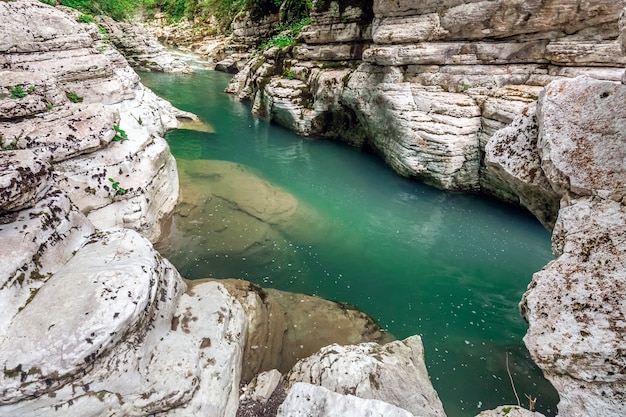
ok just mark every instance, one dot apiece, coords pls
pixel 450 267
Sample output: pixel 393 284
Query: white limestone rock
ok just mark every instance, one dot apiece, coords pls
pixel 65 132
pixel 512 156
pixel 263 385
pixel 24 179
pixel 36 242
pixel 140 48
pixel 576 312
pixel 510 411
pixel 39 94
pixel 306 400
pixel 65 57
pixel 421 132
pixel 372 371
pixel 583 144
pixel 504 18
pixel 107 292
pixel 113 332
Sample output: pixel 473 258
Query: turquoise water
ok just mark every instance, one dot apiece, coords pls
pixel 450 267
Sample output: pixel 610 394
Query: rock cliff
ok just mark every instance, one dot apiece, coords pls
pixel 426 85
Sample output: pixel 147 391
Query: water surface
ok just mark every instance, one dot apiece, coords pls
pixel 449 267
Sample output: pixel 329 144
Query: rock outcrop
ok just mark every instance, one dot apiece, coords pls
pixel 570 147
pixel 427 84
pixel 81 108
pixel 374 372
pixel 568 150
pixel 141 49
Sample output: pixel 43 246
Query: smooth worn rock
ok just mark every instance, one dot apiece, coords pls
pixel 127 341
pixel 36 242
pixel 86 307
pixel 306 400
pixel 372 371
pixel 24 179
pixel 575 309
pixel 583 144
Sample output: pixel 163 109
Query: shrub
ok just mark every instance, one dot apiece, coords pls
pixel 73 97
pixel 85 18
pixel 17 92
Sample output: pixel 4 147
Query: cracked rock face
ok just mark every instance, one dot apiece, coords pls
pixel 576 312
pixel 567 149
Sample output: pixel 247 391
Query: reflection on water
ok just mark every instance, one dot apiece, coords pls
pixel 447 266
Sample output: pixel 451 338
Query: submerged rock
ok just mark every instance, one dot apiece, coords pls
pixel 226 212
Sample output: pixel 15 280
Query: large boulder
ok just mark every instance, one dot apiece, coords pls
pixel 372 371
pixel 582 137
pixel 575 310
pixel 116 331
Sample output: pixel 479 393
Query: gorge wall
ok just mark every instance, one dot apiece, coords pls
pixel 426 85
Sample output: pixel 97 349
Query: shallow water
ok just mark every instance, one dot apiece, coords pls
pixel 450 267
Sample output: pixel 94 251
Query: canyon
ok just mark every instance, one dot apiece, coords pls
pixel 521 100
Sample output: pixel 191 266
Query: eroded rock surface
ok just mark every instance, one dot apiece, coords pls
pixel 71 99
pixel 566 149
pixel 372 371
pixel 426 84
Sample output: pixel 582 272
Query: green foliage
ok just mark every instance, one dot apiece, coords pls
pixel 48 2
pixel 120 135
pixel 85 18
pixel 288 34
pixel 117 9
pixel 115 185
pixel 73 97
pixel 17 92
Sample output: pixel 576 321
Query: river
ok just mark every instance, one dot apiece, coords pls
pixel 450 267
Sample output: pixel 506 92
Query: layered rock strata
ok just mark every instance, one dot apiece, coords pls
pixel 140 48
pixel 82 109
pixel 427 84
